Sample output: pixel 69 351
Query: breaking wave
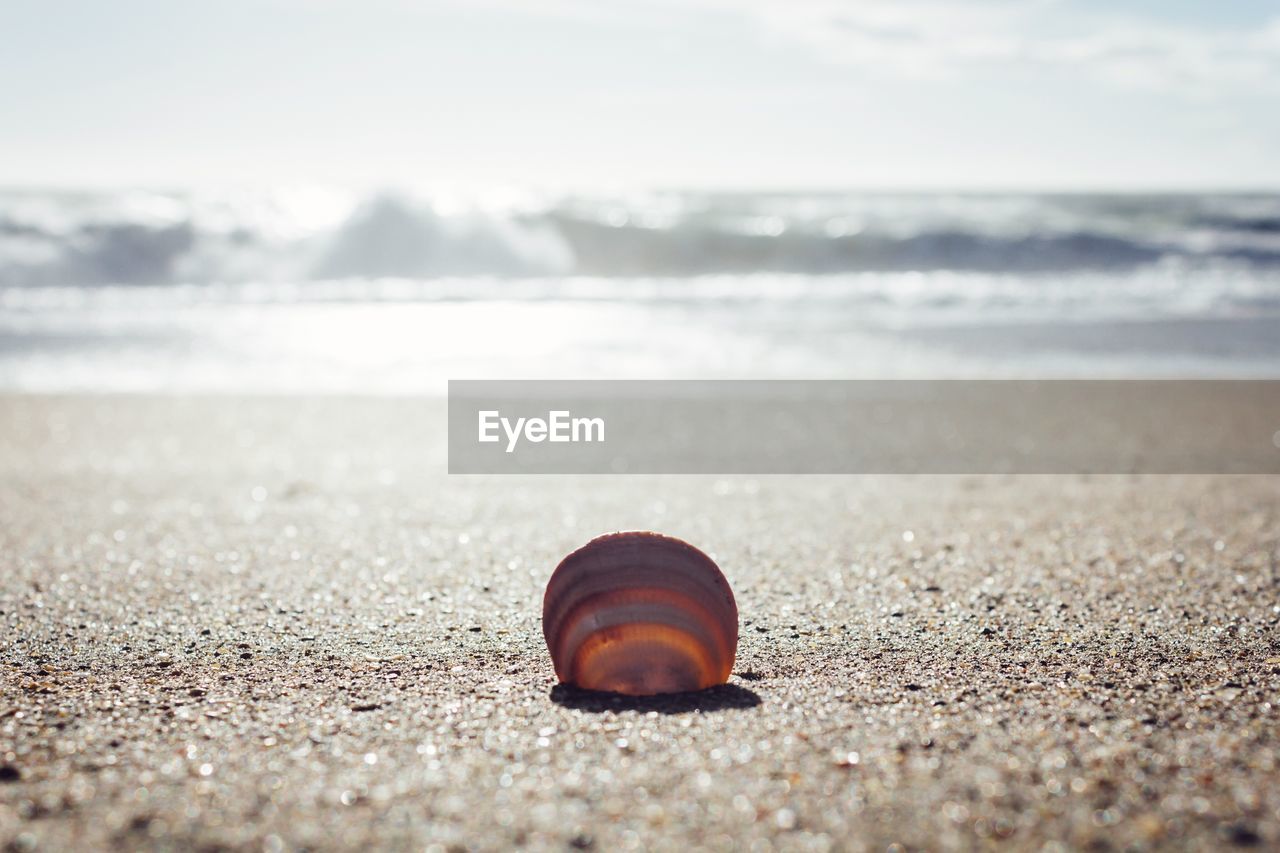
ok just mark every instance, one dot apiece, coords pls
pixel 148 239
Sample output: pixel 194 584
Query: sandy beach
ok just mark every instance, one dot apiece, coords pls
pixel 274 623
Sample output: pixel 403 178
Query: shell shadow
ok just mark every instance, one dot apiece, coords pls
pixel 722 698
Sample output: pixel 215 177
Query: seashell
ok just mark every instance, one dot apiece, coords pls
pixel 640 613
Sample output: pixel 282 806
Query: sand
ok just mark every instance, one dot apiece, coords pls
pixel 272 623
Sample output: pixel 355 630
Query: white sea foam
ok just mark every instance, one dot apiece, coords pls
pixel 316 291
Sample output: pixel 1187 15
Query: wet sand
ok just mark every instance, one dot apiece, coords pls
pixel 272 623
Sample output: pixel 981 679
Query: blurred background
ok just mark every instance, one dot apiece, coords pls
pixel 331 196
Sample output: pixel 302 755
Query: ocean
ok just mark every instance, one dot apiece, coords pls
pixel 316 290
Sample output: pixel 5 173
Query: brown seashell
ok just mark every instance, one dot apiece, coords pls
pixel 640 614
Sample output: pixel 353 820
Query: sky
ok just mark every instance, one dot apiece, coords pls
pixel 590 95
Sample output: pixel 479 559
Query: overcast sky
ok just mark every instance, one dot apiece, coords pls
pixel 596 94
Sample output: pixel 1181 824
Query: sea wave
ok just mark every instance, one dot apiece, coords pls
pixel 130 238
